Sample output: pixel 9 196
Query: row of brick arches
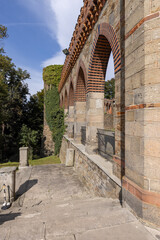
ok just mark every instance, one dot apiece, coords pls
pixel 93 78
pixel 128 29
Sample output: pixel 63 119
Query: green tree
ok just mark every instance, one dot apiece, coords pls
pixel 13 97
pixel 34 118
pixel 3 31
pixel 28 138
pixel 109 89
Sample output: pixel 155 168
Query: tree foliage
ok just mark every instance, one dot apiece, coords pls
pixel 28 138
pixel 52 74
pixel 53 113
pixel 13 97
pixel 3 31
pixel 109 89
pixel 33 119
pixel 15 109
pixel 54 117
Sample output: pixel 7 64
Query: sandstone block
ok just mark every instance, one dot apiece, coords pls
pixel 70 157
pixel 130 116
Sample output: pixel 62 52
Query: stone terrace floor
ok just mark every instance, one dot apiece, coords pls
pixel 52 204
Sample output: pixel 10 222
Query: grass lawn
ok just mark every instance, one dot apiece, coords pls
pixel 40 161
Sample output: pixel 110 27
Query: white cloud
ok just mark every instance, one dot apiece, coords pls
pixel 56 59
pixel 66 13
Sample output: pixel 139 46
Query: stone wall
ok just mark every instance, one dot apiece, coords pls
pixel 132 31
pixel 94 171
pixel 142 113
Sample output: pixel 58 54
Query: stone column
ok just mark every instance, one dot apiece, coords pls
pixel 23 157
pixel 70 129
pixel 7 179
pixel 66 118
pixel 94 120
pixel 79 120
pixel 141 184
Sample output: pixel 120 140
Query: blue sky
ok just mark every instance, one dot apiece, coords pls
pixel 38 31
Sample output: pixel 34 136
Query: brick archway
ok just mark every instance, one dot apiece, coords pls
pixel 71 94
pixel 80 92
pixel 104 42
pixel 65 100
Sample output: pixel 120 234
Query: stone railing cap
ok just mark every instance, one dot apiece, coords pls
pixel 7 169
pixel 25 148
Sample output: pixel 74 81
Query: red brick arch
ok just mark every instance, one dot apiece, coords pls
pixel 71 94
pixel 80 92
pixel 104 42
pixel 65 102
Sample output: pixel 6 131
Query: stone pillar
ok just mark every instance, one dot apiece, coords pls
pixel 70 157
pixel 79 120
pixel 7 179
pixel 23 157
pixel 141 184
pixel 94 120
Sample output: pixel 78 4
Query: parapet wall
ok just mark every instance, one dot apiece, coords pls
pixel 94 171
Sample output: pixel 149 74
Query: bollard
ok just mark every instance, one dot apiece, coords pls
pixel 70 157
pixel 23 157
pixel 7 179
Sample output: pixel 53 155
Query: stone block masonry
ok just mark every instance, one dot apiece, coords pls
pixel 130 29
pixel 94 171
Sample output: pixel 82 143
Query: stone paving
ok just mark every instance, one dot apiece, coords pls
pixel 52 204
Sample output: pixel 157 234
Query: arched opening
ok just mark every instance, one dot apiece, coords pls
pixel 105 42
pixel 65 102
pixel 97 69
pixel 80 95
pixel 71 95
pixel 71 112
pixel 80 108
pixel 109 96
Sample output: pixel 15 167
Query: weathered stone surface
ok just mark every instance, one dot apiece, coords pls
pixel 137 99
pixel 70 157
pixel 23 156
pixel 7 184
pixel 55 205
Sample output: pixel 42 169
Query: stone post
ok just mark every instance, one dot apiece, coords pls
pixel 23 154
pixel 94 120
pixel 7 179
pixel 70 129
pixel 70 157
pixel 79 120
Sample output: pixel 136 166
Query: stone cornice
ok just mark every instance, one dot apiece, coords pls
pixel 88 17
